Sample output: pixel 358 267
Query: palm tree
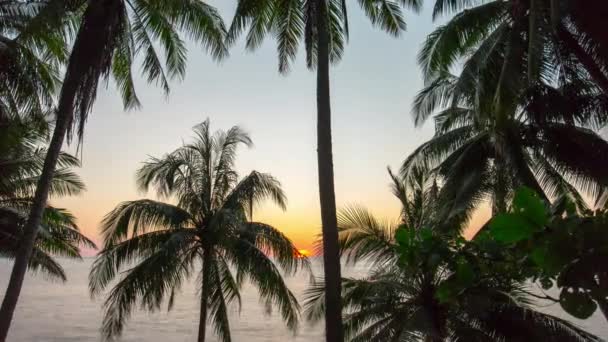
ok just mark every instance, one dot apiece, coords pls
pixel 479 154
pixel 508 50
pixel 21 160
pixel 209 228
pixel 401 297
pixel 111 35
pixel 323 25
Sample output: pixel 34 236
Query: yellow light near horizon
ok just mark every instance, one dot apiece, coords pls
pixel 304 252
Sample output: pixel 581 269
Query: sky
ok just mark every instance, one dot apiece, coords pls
pixel 372 89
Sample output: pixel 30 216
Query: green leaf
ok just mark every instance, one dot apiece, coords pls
pixel 511 228
pixel 460 241
pixel 402 236
pixel 426 234
pixel 446 291
pixel 528 204
pixel 577 302
pixel 464 273
pixel 549 261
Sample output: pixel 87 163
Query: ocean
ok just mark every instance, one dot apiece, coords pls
pixel 54 311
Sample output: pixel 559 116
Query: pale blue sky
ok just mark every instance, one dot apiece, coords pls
pixel 372 91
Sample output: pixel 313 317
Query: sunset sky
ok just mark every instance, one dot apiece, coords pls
pixel 372 92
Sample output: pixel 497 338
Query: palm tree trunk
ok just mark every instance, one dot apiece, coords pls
pixel 499 201
pixel 504 107
pixel 533 62
pixel 555 14
pixel 436 331
pixel 327 196
pixel 202 323
pixel 585 59
pixel 436 317
pixel 84 53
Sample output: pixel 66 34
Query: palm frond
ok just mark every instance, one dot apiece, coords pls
pixel 362 237
pixel 199 21
pixel 433 152
pixel 385 14
pixel 562 146
pixel 273 242
pixel 218 303
pixel 468 179
pixel 449 6
pixel 44 263
pixel 449 42
pixel 437 93
pixel 258 14
pixel 255 188
pixel 252 263
pixel 113 258
pixel 289 28
pixel 60 235
pixel 141 216
pixel 148 283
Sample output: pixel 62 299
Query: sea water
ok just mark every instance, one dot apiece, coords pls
pixel 55 311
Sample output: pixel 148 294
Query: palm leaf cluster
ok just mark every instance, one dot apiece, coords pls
pixel 522 110
pixel 114 34
pixel 293 22
pixel 22 154
pixel 550 144
pixel 518 42
pixel 106 38
pixel 21 159
pixel 207 233
pixel 33 37
pixel 59 236
pixel 400 298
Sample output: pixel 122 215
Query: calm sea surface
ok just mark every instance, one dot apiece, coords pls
pixel 50 311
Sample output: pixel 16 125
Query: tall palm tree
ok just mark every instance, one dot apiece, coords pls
pixel 112 33
pixel 400 298
pixel 21 160
pixel 478 153
pixel 208 231
pixel 323 26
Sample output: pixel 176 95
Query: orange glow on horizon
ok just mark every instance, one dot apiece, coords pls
pixel 304 253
